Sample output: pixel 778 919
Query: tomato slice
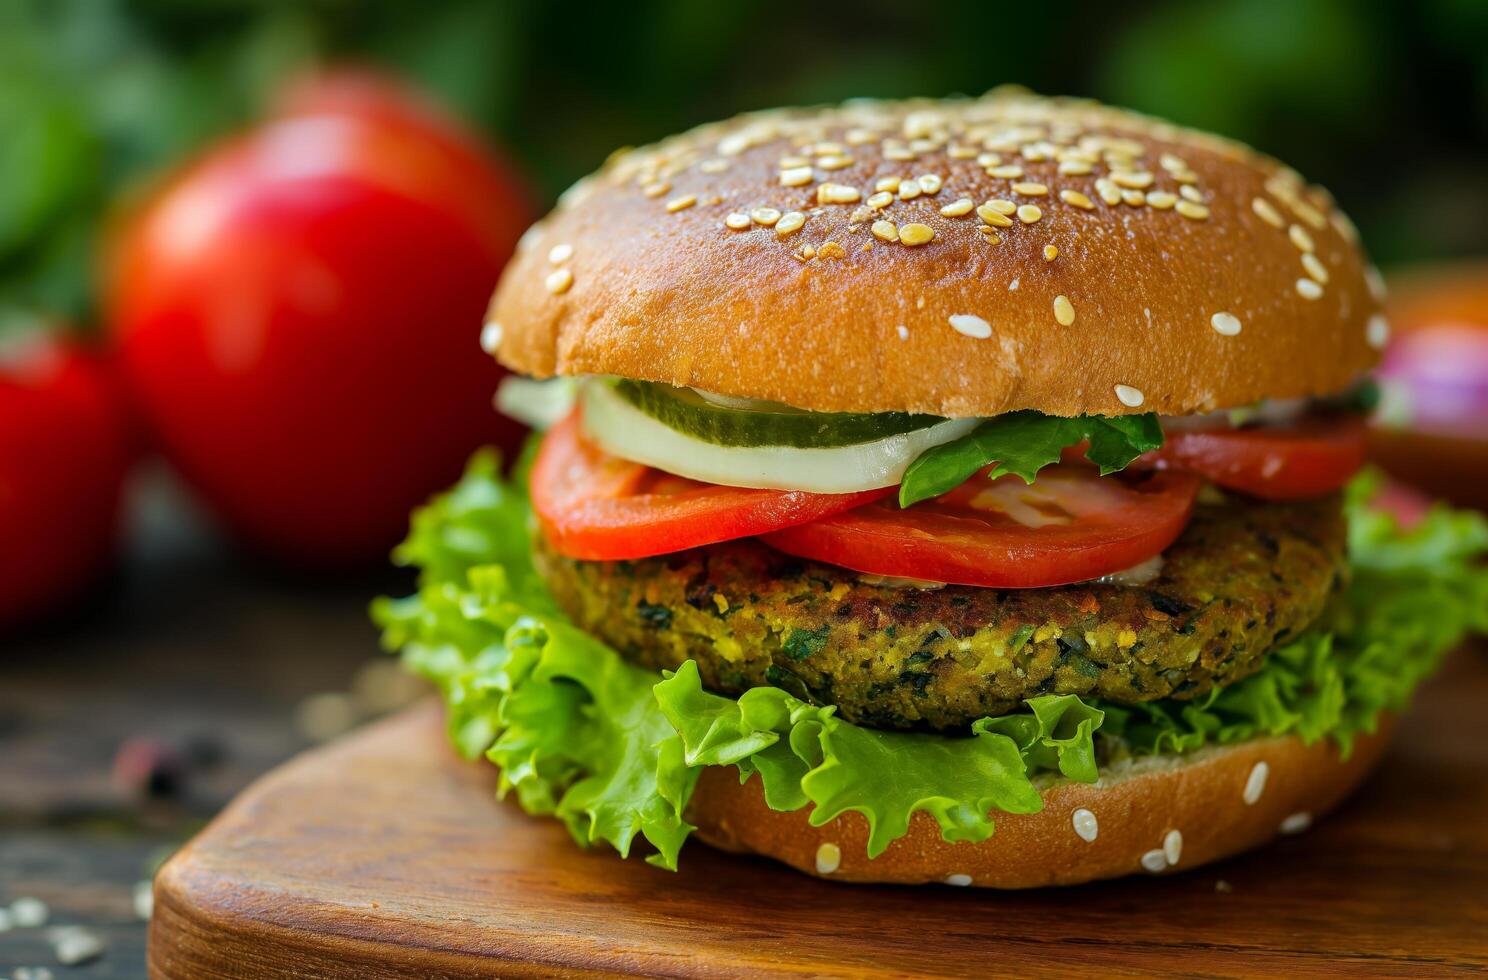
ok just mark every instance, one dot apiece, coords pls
pixel 1072 524
pixel 1289 462
pixel 596 506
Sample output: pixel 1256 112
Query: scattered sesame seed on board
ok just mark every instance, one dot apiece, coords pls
pixel 1225 324
pixel 1064 310
pixel 971 325
pixel 916 234
pixel 558 281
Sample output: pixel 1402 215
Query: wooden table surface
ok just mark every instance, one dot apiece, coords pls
pixel 385 856
pixel 189 645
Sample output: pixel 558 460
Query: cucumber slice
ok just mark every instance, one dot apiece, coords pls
pixel 720 422
pixel 619 427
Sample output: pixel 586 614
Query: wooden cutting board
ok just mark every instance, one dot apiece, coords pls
pixel 384 855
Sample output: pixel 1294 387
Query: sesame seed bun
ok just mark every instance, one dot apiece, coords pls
pixel 1153 816
pixel 958 257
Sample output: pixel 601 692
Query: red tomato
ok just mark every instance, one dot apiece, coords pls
pixel 1070 525
pixel 299 311
pixel 65 448
pixel 1292 462
pixel 596 506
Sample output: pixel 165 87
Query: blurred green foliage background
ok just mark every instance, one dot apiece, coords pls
pixel 1385 103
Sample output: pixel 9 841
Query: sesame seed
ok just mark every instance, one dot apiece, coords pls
pixel 1001 206
pixel 1314 267
pixel 880 200
pixel 1051 252
pixel 1075 168
pixel 1300 238
pixel 1309 214
pixel 1064 310
pixel 890 184
pixel 713 166
pixel 1134 198
pixel 988 160
pixel 793 161
pixel 737 221
pixel 828 858
pixel 1029 213
pixel 1255 783
pixel 971 326
pixel 29 913
pixel 992 216
pixel 657 189
pixel 1085 824
pixel 903 331
pixel 558 281
pixel 1129 396
pixel 831 250
pixel 1108 191
pixel 1077 199
pixel 1377 332
pixel 560 254
pixel 958 208
pixel 929 183
pixel 909 190
pixel 1191 210
pixel 1155 861
pixel 1030 188
pixel 885 231
pixel 789 223
pixel 490 337
pixel 1013 286
pixel 795 176
pixel 958 152
pixel 1162 200
pixel 1375 282
pixel 681 203
pixel 834 162
pixel 764 216
pixel 1135 181
pixel 1309 289
pixel 1010 172
pixel 960 881
pixel 837 194
pixel 1172 163
pixel 1173 847
pixel 1225 324
pixel 1192 193
pixel 916 234
pixel 1267 212
pixel 1296 823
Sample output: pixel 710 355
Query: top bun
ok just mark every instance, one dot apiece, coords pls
pixel 962 257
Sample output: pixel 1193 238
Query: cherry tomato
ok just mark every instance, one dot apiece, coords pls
pixel 299 310
pixel 1291 462
pixel 596 506
pixel 1070 525
pixel 65 448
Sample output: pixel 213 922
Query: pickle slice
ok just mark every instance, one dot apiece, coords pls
pixel 772 424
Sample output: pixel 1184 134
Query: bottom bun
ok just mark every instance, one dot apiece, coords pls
pixel 1149 815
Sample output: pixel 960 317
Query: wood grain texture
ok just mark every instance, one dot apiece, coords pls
pixel 385 856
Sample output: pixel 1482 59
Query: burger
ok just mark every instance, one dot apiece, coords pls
pixel 957 491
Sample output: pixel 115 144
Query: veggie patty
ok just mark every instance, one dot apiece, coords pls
pixel 1243 577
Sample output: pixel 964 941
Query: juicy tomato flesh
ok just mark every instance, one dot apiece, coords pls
pixel 592 505
pixel 1306 459
pixel 1071 525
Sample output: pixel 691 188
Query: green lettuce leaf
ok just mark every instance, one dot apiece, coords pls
pixel 614 750
pixel 1022 443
